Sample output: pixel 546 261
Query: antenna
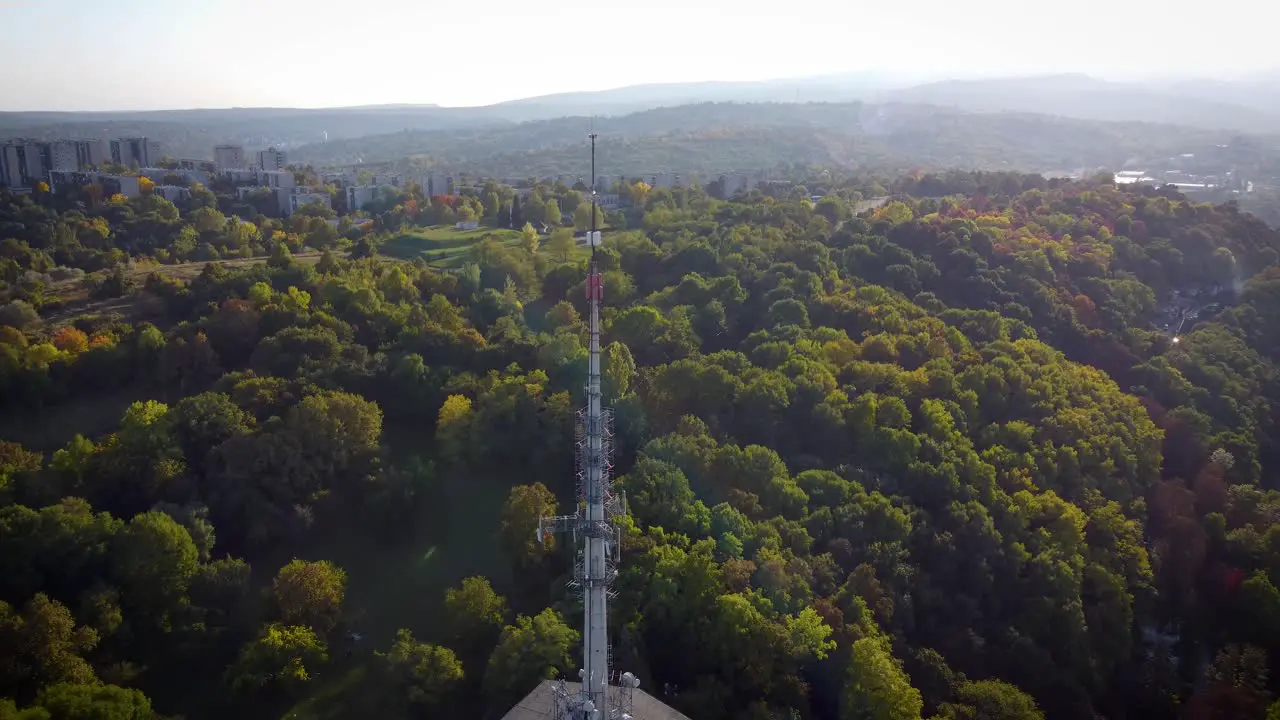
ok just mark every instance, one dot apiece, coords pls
pixel 598 506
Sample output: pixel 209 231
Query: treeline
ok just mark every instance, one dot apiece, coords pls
pixel 1002 454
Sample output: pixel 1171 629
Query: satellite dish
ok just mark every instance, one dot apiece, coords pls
pixel 630 680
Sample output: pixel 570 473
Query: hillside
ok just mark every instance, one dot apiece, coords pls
pixel 1002 447
pixel 1220 106
pixel 1250 105
pixel 719 137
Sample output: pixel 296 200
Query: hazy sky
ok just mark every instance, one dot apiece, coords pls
pixel 131 54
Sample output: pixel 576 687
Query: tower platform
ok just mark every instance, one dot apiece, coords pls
pixel 539 704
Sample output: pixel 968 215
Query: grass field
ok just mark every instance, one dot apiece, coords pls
pixel 443 246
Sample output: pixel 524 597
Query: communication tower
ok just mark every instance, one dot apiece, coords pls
pixel 601 696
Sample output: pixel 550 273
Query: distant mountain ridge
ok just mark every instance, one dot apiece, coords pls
pixel 1249 105
pixel 711 138
pixel 1194 103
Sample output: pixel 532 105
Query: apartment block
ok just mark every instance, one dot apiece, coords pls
pixel 292 198
pixel 126 185
pixel 227 157
pixel 360 195
pixel 272 159
pixel 276 179
pixel 23 163
pixel 135 152
pixel 241 177
pixel 172 193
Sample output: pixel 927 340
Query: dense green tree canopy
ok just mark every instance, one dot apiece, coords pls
pixel 999 447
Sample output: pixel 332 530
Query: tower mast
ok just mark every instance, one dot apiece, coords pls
pixel 597 699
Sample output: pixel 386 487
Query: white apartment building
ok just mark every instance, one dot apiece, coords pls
pixel 138 151
pixel 172 193
pixel 360 195
pixel 291 199
pixel 241 176
pixel 438 185
pixel 227 157
pixel 93 153
pixel 126 185
pixel 272 159
pixel 160 175
pixel 736 183
pixel 63 156
pixel 275 179
pixel 23 163
pixel 78 154
pixel 337 177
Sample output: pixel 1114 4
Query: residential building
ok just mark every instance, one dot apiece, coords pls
pixel 276 179
pixel 62 155
pixel 206 166
pixel 360 195
pixel 292 198
pixel 163 175
pixel 341 178
pixel 394 179
pixel 227 157
pixel 78 154
pixel 126 185
pixel 608 201
pixel 135 152
pixel 24 163
pixel 272 159
pixel 438 185
pixel 241 177
pixel 172 193
pixel 735 183
pixel 92 153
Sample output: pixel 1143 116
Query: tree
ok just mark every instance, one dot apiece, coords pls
pixel 533 649
pixel 281 655
pixel 990 700
pixel 877 688
pixel 154 559
pixel 453 428
pixel 582 216
pixel 42 645
pixel 68 701
pixel 71 340
pixel 429 674
pixel 474 615
pixel 561 245
pixel 525 505
pixel 552 213
pixel 19 314
pixel 309 593
pixel 529 240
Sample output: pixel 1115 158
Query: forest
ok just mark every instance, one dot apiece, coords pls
pixel 1003 448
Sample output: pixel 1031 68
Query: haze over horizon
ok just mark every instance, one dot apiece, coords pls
pixel 289 53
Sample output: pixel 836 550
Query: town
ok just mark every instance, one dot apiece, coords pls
pixel 266 181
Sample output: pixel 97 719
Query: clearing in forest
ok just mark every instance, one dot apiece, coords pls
pixel 443 246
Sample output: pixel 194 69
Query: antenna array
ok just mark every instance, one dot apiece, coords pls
pixel 602 696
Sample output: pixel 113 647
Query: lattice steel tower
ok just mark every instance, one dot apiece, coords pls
pixel 601 697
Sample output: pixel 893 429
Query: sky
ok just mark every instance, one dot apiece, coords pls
pixel 136 55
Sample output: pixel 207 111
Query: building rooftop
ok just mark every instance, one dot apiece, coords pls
pixel 537 705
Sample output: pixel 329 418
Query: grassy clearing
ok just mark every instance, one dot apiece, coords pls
pixel 401 585
pixel 443 246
